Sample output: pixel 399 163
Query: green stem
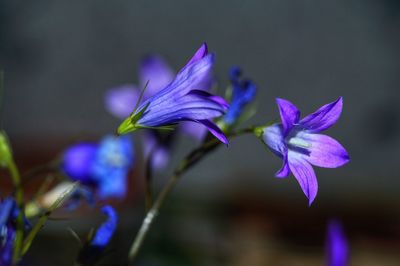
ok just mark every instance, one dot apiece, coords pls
pixel 190 160
pixel 19 197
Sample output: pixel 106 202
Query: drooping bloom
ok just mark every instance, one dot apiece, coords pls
pixel 243 93
pixel 103 167
pixel 299 144
pixel 337 249
pixel 93 250
pixel 181 100
pixel 120 102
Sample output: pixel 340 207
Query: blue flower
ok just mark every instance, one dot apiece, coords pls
pixel 106 230
pixel 93 250
pixel 8 215
pixel 181 100
pixel 102 166
pixel 244 92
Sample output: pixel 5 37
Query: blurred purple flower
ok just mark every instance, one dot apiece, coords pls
pixel 181 100
pixel 299 145
pixel 337 248
pixel 244 92
pixel 102 166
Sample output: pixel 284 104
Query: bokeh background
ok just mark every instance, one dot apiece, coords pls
pixel 59 59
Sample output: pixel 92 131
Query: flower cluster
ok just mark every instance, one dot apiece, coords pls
pixel 185 101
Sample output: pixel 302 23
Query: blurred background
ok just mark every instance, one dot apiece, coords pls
pixel 60 58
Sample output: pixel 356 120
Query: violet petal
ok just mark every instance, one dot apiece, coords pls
pixel 305 175
pixel 323 151
pixel 155 70
pixel 289 114
pixel 324 117
pixel 215 130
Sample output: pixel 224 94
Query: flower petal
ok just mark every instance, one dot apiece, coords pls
pixel 186 80
pixel 285 169
pixel 120 101
pixel 323 151
pixel 324 117
pixel 305 175
pixel 106 230
pixel 289 114
pixel 155 70
pixel 215 130
pixel 196 131
pixel 78 160
pixel 200 53
pixel 273 137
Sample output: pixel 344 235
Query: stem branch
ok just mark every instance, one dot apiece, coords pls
pixel 190 160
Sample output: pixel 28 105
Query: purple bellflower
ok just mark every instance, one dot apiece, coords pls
pixel 102 166
pixel 181 100
pixel 120 102
pixel 7 230
pixel 337 249
pixel 243 93
pixel 299 144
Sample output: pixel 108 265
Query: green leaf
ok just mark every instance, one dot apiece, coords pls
pixel 42 220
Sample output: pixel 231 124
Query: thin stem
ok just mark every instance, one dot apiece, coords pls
pixel 148 178
pixel 190 160
pixel 19 197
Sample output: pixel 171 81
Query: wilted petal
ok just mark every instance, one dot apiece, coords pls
pixel 322 150
pixel 120 101
pixel 336 247
pixel 273 137
pixel 324 117
pixel 155 70
pixel 305 175
pixel 106 230
pixel 289 114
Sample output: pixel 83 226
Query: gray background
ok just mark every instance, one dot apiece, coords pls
pixel 60 57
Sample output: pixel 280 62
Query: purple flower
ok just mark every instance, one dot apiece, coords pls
pixel 8 214
pixel 337 248
pixel 102 166
pixel 181 100
pixel 244 92
pixel 299 145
